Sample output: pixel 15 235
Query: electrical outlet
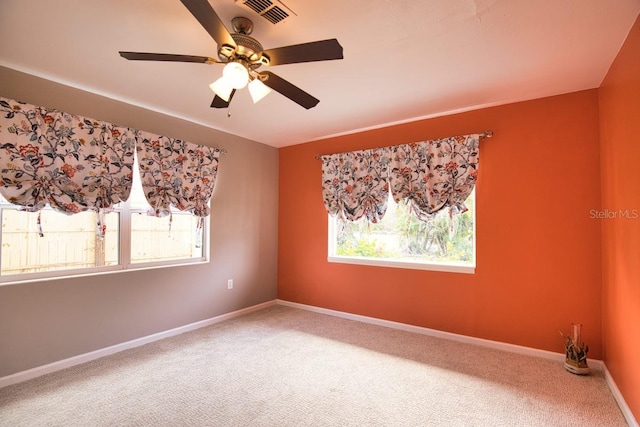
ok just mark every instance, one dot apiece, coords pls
pixel 230 284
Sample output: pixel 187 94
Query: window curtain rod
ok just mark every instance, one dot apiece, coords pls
pixel 484 135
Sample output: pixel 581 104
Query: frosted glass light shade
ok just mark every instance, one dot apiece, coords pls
pixel 236 74
pixel 258 90
pixel 222 88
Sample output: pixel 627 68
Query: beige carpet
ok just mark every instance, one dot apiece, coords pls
pixel 287 367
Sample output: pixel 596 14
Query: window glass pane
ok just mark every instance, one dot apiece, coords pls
pixel 155 239
pixel 402 237
pixel 69 241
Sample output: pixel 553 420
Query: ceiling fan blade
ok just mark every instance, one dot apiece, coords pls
pixel 145 56
pixel 322 50
pixel 221 103
pixel 289 90
pixel 210 20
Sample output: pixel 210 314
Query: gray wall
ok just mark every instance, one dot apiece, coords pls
pixel 43 322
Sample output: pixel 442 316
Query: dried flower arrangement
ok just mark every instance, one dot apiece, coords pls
pixel 576 352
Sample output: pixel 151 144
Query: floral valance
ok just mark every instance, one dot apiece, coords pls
pixel 176 172
pixel 74 163
pixel 434 175
pixel 70 162
pixel 355 185
pixel 431 175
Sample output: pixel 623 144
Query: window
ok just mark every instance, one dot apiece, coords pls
pixel 400 240
pixel 153 239
pixel 70 246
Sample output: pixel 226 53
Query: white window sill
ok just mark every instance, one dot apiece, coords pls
pixel 449 268
pixel 47 276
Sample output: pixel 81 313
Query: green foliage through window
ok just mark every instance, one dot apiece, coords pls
pixel 400 236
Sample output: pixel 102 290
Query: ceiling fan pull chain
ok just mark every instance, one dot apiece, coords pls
pixel 229 112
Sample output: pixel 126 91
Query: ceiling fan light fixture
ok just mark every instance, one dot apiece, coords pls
pixel 258 90
pixel 222 88
pixel 236 75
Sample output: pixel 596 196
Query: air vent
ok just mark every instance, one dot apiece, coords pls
pixel 269 10
pixel 258 6
pixel 275 15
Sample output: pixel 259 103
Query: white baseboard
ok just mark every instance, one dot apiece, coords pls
pixel 19 377
pixel 626 411
pixel 596 364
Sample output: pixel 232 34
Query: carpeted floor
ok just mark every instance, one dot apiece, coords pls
pixel 283 366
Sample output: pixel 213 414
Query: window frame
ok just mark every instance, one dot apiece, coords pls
pixel 125 211
pixel 448 267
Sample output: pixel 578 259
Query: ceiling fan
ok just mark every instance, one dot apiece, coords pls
pixel 243 55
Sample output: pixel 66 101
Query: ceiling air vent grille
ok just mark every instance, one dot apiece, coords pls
pixel 273 13
pixel 258 6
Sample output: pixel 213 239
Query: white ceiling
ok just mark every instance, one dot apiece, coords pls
pixel 403 59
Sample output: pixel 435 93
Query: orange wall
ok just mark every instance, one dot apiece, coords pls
pixel 538 250
pixel 620 153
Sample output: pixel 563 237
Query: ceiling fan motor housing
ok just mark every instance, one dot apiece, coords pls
pixel 248 50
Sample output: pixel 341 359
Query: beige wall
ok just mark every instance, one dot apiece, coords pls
pixel 44 322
